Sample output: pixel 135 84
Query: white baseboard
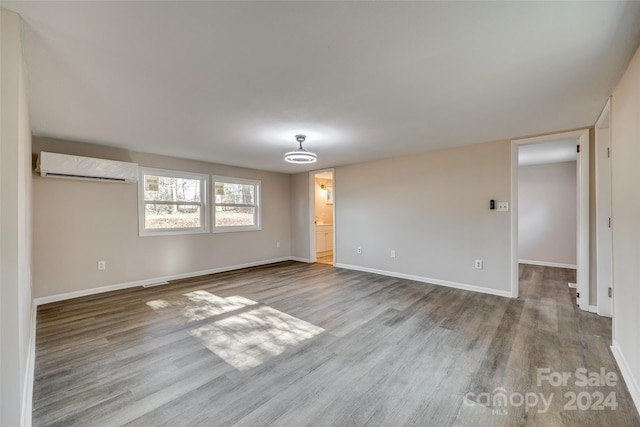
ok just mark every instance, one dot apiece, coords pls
pixel 593 309
pixel 632 384
pixel 102 289
pixel 27 391
pixel 548 264
pixel 446 283
pixel 295 258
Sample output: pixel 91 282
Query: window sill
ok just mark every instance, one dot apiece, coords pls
pixel 149 233
pixel 235 229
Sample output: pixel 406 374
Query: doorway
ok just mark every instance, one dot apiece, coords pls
pixel 547 219
pixel 580 139
pixel 322 227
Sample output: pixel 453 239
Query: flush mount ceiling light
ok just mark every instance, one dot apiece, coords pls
pixel 300 156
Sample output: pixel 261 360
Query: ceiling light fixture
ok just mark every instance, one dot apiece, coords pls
pixel 300 156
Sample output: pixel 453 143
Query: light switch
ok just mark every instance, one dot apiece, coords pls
pixel 503 206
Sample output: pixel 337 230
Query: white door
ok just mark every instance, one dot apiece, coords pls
pixel 603 214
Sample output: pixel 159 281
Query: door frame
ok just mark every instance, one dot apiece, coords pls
pixel 603 211
pixel 312 213
pixel 582 185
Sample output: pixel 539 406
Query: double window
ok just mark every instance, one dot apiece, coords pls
pixel 173 202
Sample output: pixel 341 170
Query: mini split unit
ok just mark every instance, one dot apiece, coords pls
pixel 56 165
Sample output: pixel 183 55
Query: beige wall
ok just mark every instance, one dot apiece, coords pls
pixel 547 213
pixel 15 230
pixel 433 210
pixel 77 223
pixel 625 177
pixel 300 218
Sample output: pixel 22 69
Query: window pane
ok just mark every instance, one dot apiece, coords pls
pixel 171 189
pixel 171 216
pixel 227 216
pixel 227 192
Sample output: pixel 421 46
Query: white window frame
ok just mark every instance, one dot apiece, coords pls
pixel 257 205
pixel 204 203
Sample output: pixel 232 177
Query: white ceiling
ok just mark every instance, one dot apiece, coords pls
pixel 233 82
pixel 547 152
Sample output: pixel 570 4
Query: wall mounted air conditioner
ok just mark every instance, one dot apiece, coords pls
pixel 76 167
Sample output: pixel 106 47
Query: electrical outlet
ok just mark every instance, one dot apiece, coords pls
pixel 102 265
pixel 359 250
pixel 479 264
pixel 277 244
pixel 503 206
pixel 393 253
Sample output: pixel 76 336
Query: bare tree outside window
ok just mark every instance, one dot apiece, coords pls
pixel 173 202
pixel 235 204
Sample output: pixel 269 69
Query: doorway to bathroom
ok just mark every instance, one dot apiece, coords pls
pixel 323 213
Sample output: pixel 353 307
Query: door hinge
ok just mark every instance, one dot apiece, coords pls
pixel 609 222
pixel 577 294
pixel 608 152
pixel 578 148
pixel 609 292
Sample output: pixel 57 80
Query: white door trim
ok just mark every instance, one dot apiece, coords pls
pixel 604 280
pixel 312 213
pixel 582 138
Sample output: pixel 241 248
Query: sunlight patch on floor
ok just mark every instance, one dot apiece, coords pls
pixel 241 335
pixel 158 304
pixel 205 304
pixel 248 339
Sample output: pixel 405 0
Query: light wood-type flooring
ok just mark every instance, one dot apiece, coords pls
pixel 296 344
pixel 327 259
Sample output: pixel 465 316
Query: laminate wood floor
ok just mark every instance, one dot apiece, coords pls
pixel 296 344
pixel 327 259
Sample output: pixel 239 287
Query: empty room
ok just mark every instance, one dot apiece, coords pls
pixel 319 213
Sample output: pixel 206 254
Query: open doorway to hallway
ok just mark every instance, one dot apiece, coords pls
pixel 578 208
pixel 323 217
pixel 547 216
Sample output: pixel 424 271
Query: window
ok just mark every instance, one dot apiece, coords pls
pixel 172 202
pixel 236 204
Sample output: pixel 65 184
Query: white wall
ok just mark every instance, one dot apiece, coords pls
pixel 625 177
pixel 547 212
pixel 77 223
pixel 15 231
pixel 433 210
